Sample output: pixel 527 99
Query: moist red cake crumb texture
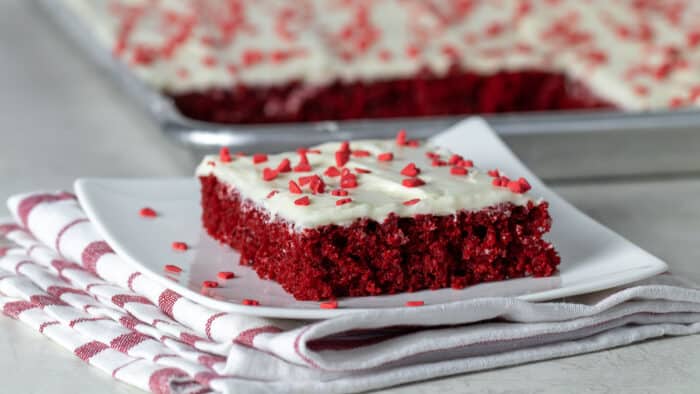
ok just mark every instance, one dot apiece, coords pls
pixel 456 93
pixel 401 254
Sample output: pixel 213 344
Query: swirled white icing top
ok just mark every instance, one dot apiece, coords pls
pixel 380 186
pixel 635 54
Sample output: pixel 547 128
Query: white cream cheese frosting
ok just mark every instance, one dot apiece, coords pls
pixel 380 188
pixel 636 54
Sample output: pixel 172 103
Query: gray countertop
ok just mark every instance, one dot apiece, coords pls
pixel 61 119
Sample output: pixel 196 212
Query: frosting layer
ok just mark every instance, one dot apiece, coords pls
pixel 380 177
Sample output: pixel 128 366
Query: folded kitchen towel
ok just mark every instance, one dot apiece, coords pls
pixel 60 277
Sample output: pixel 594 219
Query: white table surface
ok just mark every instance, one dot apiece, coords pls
pixel 60 119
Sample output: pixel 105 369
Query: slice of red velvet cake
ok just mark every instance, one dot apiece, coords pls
pixel 374 217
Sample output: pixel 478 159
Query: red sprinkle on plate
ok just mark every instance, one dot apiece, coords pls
pixel 415 303
pixel 411 202
pixel 210 284
pixel 147 212
pixel 172 268
pixel 250 302
pixel 329 305
pixel 181 246
pixel 225 275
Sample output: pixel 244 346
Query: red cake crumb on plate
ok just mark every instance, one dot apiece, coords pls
pixel 458 229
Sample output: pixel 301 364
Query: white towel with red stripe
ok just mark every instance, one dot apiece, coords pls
pixel 59 277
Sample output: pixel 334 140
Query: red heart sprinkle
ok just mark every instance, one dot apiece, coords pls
pixel 360 153
pixel 494 173
pixel 411 202
pixel 331 172
pixel 317 185
pixel 226 275
pixel 284 166
pixel 401 137
pixel 272 193
pixel 172 268
pixel 303 158
pixel 415 303
pixel 209 61
pixel 412 182
pixel 302 167
pixel 341 158
pixel 224 155
pixel 339 192
pixel 304 201
pixel 458 171
pixel 181 246
pixel 343 201
pixel 466 163
pixel 259 158
pixel 147 212
pixel 329 305
pixel 305 180
pixel 269 174
pixel 252 57
pixel 294 188
pixel 455 159
pixel 250 302
pixel 525 184
pixel 210 284
pixel 388 156
pixel 516 187
pixel 439 163
pixel 348 182
pixel 344 147
pixel 410 170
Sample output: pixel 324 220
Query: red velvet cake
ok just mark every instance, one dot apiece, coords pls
pixel 374 217
pixel 245 61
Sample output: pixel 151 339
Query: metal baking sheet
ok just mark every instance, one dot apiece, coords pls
pixel 264 137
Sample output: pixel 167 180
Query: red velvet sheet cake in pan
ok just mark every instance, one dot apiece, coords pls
pixel 374 217
pixel 245 61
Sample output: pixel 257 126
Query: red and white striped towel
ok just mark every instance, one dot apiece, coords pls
pixel 62 279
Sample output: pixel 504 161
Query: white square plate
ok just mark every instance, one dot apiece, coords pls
pixel 592 256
